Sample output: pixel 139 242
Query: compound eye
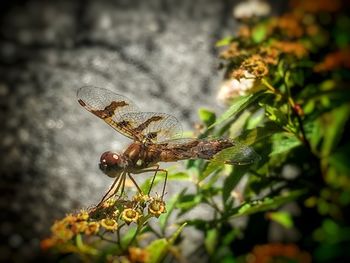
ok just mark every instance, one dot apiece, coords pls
pixel 109 159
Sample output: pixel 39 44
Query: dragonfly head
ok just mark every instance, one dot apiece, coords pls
pixel 112 164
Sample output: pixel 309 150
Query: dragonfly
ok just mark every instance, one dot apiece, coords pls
pixel 157 137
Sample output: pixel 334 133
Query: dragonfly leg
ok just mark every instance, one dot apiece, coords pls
pixel 133 180
pixel 123 186
pixel 154 177
pixel 121 181
pixel 104 198
pixel 165 180
pixel 156 170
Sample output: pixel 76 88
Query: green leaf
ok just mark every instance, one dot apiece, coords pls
pixel 268 203
pixel 276 115
pixel 333 125
pixel 206 116
pixel 180 176
pixel 128 236
pixel 211 240
pixel 239 105
pixel 211 167
pixel 341 159
pixel 232 180
pixel 170 205
pixel 252 136
pixel 187 202
pixel 259 33
pixel 282 142
pixel 283 218
pixel 224 42
pixel 84 248
pixel 157 250
pixel 176 234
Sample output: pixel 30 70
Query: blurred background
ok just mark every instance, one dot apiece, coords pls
pixel 158 53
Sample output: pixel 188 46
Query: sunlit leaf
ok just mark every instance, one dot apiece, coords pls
pixel 283 218
pixel 157 250
pixel 259 33
pixel 239 105
pixel 276 115
pixel 224 42
pixel 206 116
pixel 211 240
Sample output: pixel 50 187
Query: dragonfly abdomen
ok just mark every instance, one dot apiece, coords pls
pixel 206 149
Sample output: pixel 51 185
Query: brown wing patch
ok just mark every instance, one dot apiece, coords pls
pixel 109 110
pixel 146 123
pixel 153 126
pixel 108 106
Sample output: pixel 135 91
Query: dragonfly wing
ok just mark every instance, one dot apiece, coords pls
pixel 238 154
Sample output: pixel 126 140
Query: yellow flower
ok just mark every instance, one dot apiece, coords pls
pixel 62 232
pixel 130 215
pixel 109 224
pixel 69 219
pixel 157 207
pixel 92 228
pixel 141 199
pixel 79 227
pixel 83 216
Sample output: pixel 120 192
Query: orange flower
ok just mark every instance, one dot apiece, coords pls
pixel 294 48
pixel 138 255
pixel 48 243
pixel 335 60
pixel 316 6
pixel 231 52
pixel 288 25
pixel 271 252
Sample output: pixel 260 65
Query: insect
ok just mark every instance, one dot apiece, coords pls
pixel 156 138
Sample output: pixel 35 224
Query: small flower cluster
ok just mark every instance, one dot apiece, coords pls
pixel 108 217
pixel 262 43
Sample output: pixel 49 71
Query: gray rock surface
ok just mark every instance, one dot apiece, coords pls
pixel 158 53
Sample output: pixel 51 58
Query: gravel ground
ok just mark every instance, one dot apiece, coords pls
pixel 158 53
